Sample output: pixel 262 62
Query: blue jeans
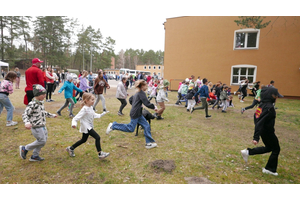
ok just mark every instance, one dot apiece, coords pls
pixel 131 126
pixel 185 99
pixel 5 102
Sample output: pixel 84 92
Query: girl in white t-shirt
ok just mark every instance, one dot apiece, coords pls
pixel 86 116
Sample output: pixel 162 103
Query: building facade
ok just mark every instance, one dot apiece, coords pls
pixel 217 49
pixel 158 69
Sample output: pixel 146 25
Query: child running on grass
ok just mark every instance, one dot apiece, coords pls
pixel 203 97
pixel 86 116
pixel 224 98
pixel 68 87
pixel 6 88
pixel 34 118
pixel 136 115
pixel 256 100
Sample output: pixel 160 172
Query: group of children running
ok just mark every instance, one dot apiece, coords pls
pixel 190 91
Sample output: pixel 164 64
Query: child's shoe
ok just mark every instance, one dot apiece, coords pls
pixel 70 151
pixel 150 145
pixel 208 116
pixel 23 152
pixel 245 154
pixel 192 110
pixel 223 111
pixel 37 158
pixel 243 110
pixel 103 155
pixel 187 110
pixel 265 171
pixel 159 118
pixel 241 101
pixel 71 116
pixel 109 129
pixel 11 123
pixel 58 113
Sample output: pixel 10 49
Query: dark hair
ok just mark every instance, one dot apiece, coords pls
pixel 204 80
pixel 124 78
pixel 272 82
pixel 10 76
pixel 225 86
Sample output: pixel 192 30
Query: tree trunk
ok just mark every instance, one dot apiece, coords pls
pixel 2 39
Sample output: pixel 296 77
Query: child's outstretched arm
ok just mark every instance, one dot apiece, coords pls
pixel 96 115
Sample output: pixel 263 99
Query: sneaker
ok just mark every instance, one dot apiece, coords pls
pixel 37 158
pixel 155 115
pixel 208 116
pixel 192 110
pixel 150 145
pixel 120 114
pixel 265 171
pixel 11 123
pixel 58 113
pixel 243 110
pixel 47 100
pixel 109 129
pixel 51 100
pixel 104 110
pixel 185 106
pixel 245 154
pixel 23 152
pixel 241 101
pixel 187 110
pixel 159 118
pixel 103 155
pixel 177 104
pixel 71 116
pixel 223 111
pixel 70 151
pixel 234 93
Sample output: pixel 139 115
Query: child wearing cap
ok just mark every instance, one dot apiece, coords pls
pixel 191 102
pixel 68 87
pixel 6 88
pixel 34 118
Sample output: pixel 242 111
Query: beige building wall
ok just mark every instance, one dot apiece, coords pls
pixel 159 69
pixel 204 46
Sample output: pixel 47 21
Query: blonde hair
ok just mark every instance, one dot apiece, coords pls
pixel 86 97
pixel 84 73
pixel 139 84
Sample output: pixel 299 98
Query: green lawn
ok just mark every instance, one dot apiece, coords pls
pixel 199 147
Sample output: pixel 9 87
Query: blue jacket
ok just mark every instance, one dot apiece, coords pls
pixel 69 87
pixel 203 91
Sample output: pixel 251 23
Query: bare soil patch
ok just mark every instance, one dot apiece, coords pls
pixel 165 165
pixel 198 180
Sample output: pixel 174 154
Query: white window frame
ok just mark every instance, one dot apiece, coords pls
pixel 145 67
pixel 154 67
pixel 243 66
pixel 149 67
pixel 246 31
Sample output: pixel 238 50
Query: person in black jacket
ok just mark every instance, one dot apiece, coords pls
pixel 136 115
pixel 218 92
pixel 264 120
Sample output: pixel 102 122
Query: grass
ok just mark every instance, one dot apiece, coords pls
pixel 202 148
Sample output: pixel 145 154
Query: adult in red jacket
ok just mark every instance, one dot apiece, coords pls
pixel 33 75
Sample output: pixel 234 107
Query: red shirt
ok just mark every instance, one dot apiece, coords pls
pixel 211 95
pixel 33 75
pixel 148 79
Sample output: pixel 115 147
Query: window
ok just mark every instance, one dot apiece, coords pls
pixel 145 67
pixel 158 67
pixel 149 67
pixel 154 67
pixel 240 71
pixel 246 39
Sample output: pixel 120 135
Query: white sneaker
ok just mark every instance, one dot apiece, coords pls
pixel 103 155
pixel 234 93
pixel 241 101
pixel 150 145
pixel 265 171
pixel 11 123
pixel 71 152
pixel 245 154
pixel 109 129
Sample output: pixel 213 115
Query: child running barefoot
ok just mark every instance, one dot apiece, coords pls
pixel 136 115
pixel 6 88
pixel 86 116
pixel 34 118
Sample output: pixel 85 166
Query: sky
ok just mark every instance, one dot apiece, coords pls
pixel 139 24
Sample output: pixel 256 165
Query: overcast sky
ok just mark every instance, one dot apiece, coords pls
pixel 139 24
